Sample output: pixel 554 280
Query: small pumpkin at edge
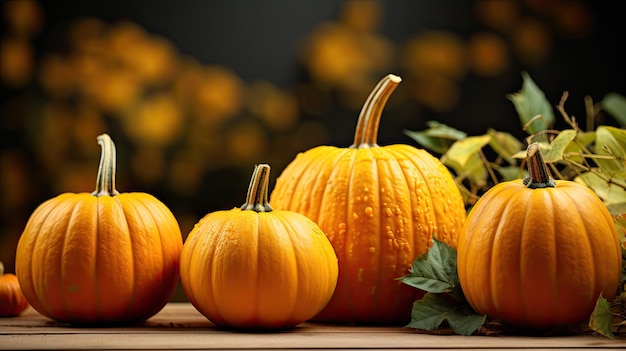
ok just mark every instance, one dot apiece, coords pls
pixel 12 300
pixel 537 253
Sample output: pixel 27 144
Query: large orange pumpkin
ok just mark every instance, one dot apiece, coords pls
pixel 380 207
pixel 258 268
pixel 538 253
pixel 103 257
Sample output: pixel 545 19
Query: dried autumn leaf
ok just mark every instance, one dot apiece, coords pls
pixel 529 102
pixel 601 318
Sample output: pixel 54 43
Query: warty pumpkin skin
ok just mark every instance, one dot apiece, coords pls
pixel 104 257
pixel 12 300
pixel 258 268
pixel 538 253
pixel 380 207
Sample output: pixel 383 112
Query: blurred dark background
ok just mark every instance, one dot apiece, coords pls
pixel 194 93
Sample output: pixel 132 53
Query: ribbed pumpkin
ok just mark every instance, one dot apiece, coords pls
pixel 257 268
pixel 380 207
pixel 104 257
pixel 537 253
pixel 12 300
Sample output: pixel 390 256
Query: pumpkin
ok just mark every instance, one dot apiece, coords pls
pixel 380 207
pixel 537 253
pixel 12 300
pixel 258 268
pixel 101 257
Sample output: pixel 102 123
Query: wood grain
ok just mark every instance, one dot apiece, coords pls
pixel 180 327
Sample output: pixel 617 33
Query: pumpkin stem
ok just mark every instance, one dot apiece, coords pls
pixel 105 183
pixel 367 126
pixel 538 174
pixel 257 198
pixel 1 269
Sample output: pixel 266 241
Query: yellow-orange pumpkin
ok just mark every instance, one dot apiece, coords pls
pixel 257 268
pixel 380 207
pixel 12 300
pixel 103 257
pixel 537 253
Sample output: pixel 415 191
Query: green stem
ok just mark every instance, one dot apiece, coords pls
pixel 366 133
pixel 257 198
pixel 105 183
pixel 538 174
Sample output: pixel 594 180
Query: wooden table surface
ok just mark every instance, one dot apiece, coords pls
pixel 179 326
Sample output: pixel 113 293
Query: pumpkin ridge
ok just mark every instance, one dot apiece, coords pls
pixel 555 201
pixel 295 175
pixel 45 210
pixel 590 246
pixel 290 229
pixel 582 230
pixel 157 210
pixel 188 259
pixel 392 162
pixel 336 157
pixel 71 219
pixel 63 222
pixel 407 157
pixel 469 247
pixel 95 261
pixel 522 301
pixel 511 193
pixel 129 213
pixel 418 246
pixel 378 247
pixel 216 264
pixel 257 282
pixel 343 165
pixel 344 254
pixel 488 211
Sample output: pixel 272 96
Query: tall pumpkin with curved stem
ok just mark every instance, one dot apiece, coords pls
pixel 104 257
pixel 380 207
pixel 257 268
pixel 537 253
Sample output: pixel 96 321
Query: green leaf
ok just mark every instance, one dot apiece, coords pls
pixel 429 312
pixel 615 104
pixel 611 141
pixel 438 137
pixel 583 139
pixel 610 194
pixel 554 151
pixel 438 145
pixel 529 102
pixel 463 150
pixel 474 169
pixel 504 144
pixel 601 317
pixel 440 130
pixel 511 173
pixel 618 209
pixel 434 271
